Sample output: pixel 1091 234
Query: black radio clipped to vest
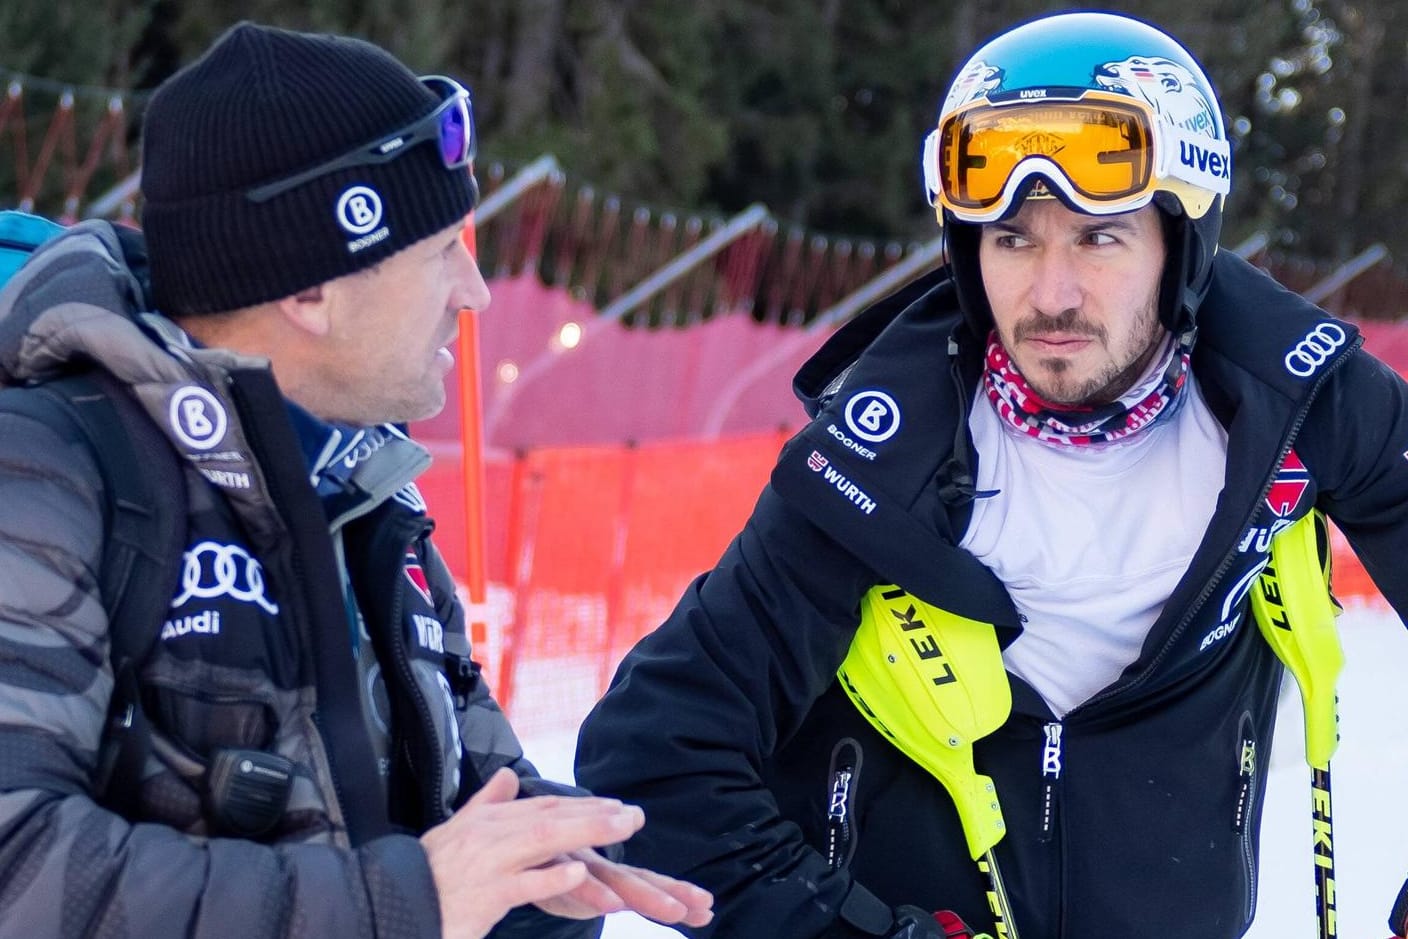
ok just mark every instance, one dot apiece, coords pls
pixel 247 791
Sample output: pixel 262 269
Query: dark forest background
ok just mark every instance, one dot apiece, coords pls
pixel 814 107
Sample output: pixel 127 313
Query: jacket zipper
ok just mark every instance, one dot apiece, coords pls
pixel 1246 803
pixel 1050 777
pixel 840 803
pixel 431 784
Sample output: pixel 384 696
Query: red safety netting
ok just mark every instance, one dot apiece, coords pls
pixel 589 549
pixel 618 384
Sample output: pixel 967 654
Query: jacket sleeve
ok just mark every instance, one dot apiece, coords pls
pixel 701 703
pixel 1355 444
pixel 69 868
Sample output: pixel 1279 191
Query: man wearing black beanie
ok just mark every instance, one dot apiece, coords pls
pixel 303 746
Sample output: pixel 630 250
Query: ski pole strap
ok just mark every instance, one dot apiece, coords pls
pixel 1295 611
pixel 867 912
pixel 932 682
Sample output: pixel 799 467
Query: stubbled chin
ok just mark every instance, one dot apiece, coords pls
pixel 1056 386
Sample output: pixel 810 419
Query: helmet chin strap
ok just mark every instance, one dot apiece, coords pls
pixel 961 246
pixel 1174 309
pixel 1187 271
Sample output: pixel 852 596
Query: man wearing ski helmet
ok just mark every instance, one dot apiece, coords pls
pixel 984 658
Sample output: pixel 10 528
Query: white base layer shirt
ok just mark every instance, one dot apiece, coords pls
pixel 1091 540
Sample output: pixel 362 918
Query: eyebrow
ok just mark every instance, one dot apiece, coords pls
pixel 1096 224
pixel 1120 222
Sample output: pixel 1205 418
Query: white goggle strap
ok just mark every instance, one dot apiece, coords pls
pixel 932 180
pixel 1203 161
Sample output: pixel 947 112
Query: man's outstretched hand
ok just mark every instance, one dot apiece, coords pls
pixel 498 852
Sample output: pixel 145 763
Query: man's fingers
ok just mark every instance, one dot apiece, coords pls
pixel 524 835
pixel 654 896
pixel 595 895
pixel 544 883
pixel 499 852
pixel 500 787
pixel 682 890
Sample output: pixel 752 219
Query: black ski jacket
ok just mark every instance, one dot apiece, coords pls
pixel 1137 814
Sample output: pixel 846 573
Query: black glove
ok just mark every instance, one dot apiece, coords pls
pixel 913 923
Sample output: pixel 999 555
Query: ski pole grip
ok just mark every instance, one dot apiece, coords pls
pixel 1398 919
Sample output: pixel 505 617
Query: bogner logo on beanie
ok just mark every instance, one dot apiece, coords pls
pixel 359 212
pixel 264 105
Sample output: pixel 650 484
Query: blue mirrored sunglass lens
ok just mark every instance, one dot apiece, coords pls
pixel 454 137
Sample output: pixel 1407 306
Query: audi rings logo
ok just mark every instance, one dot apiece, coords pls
pixel 215 570
pixel 197 417
pixel 1315 349
pixel 872 416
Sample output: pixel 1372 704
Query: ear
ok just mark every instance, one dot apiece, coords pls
pixel 308 310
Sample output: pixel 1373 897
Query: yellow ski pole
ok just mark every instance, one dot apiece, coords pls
pixel 1295 611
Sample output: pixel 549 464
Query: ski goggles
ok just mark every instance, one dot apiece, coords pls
pixel 450 126
pixel 1104 153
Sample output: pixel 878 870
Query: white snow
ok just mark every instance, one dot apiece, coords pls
pixel 1370 780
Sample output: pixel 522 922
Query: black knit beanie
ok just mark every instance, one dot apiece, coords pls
pixel 261 105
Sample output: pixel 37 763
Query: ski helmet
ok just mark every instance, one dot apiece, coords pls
pixel 1099 110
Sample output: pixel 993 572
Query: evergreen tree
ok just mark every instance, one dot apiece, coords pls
pixel 816 108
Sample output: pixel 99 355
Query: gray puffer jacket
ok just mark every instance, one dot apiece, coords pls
pixel 255 652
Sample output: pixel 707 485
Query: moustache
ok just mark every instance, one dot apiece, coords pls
pixel 1069 323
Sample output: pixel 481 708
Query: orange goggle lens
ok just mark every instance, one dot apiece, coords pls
pixel 1105 151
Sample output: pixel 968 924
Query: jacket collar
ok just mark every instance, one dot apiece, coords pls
pixel 355 469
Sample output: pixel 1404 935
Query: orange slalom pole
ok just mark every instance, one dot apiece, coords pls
pixel 472 468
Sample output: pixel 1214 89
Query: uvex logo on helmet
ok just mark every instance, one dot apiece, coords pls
pixel 1201 159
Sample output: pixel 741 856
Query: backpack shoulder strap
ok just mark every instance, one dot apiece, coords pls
pixel 144 508
pixel 144 502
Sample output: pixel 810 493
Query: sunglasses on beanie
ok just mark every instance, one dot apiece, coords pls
pixel 450 126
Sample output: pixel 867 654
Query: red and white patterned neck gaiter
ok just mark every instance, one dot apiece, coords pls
pixel 1065 425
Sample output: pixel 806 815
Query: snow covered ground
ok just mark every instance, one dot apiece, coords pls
pixel 1370 778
